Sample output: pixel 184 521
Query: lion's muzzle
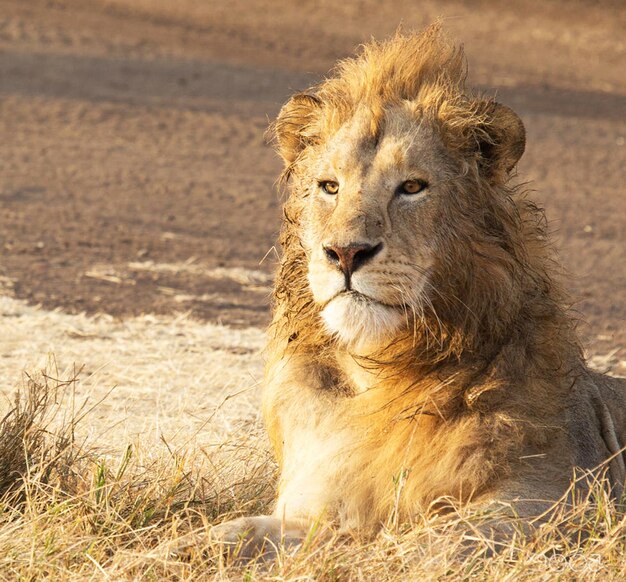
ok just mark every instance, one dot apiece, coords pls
pixel 350 257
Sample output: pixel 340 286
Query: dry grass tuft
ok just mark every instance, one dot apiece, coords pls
pixel 29 452
pixel 70 512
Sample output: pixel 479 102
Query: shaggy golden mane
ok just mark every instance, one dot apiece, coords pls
pixel 509 279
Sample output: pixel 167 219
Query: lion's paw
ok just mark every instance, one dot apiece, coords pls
pixel 261 536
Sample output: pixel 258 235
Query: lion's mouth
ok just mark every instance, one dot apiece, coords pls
pixel 356 295
pixel 361 298
pixel 350 294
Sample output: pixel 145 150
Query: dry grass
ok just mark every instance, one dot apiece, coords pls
pixel 70 512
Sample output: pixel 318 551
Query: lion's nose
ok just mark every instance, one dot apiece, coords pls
pixel 351 257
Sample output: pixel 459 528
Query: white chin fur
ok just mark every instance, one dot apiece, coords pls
pixel 360 323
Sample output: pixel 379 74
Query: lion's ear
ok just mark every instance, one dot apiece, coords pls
pixel 501 141
pixel 294 127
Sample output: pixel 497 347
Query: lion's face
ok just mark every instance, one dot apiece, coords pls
pixel 398 203
pixel 370 224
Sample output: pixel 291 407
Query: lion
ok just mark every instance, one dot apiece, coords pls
pixel 421 348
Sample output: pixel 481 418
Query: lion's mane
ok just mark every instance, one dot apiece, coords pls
pixel 495 279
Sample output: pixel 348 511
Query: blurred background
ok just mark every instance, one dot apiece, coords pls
pixel 134 177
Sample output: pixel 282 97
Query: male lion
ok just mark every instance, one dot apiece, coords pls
pixel 420 348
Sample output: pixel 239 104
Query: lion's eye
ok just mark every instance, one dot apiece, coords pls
pixel 329 186
pixel 412 186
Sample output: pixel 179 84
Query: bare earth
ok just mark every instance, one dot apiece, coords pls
pixel 135 181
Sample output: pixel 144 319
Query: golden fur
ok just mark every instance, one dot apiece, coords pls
pixel 446 367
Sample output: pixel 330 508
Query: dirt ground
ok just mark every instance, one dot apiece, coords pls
pixel 135 178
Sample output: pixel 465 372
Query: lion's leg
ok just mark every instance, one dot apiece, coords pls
pixel 305 496
pixel 306 441
pixel 303 500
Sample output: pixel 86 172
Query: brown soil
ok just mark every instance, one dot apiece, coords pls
pixel 132 131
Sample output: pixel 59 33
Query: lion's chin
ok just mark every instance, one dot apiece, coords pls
pixel 361 323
